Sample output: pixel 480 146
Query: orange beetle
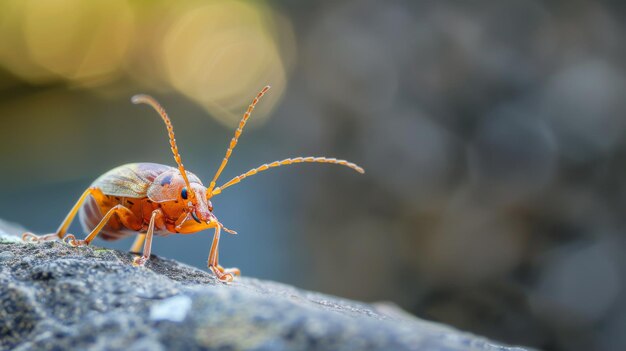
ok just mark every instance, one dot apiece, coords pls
pixel 159 199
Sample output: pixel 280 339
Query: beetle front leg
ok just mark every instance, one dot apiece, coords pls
pixel 66 222
pixel 139 261
pixel 225 275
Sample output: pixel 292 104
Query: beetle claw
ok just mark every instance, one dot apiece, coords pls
pixel 232 271
pixel 223 275
pixel 139 261
pixel 30 237
pixel 33 238
pixel 226 278
pixel 71 240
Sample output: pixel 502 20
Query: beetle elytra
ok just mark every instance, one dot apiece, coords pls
pixel 156 199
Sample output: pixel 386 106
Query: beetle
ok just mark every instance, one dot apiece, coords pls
pixel 149 198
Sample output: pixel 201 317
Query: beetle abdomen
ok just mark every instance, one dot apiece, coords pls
pixel 91 214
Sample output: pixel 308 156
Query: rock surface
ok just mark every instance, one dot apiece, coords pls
pixel 56 297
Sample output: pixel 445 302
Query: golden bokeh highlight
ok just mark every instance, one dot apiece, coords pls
pixel 145 65
pixel 14 51
pixel 78 40
pixel 221 54
pixel 218 53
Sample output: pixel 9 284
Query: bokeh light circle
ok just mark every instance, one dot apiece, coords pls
pixel 221 53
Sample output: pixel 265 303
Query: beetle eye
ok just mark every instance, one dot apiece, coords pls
pixel 183 193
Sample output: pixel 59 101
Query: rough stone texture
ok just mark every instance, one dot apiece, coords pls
pixel 55 297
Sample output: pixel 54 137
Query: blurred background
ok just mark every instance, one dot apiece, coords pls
pixel 493 136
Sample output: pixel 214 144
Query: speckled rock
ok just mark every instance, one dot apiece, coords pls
pixel 55 297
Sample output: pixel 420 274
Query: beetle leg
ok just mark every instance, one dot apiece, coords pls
pixel 224 275
pixel 60 233
pixel 122 212
pixel 139 261
pixel 136 248
pixel 34 238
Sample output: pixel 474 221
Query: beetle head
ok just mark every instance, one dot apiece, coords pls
pixel 188 204
pixel 180 193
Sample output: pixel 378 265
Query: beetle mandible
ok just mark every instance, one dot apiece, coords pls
pixel 156 199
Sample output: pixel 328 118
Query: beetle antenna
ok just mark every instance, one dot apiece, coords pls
pixel 235 139
pixel 284 162
pixel 149 100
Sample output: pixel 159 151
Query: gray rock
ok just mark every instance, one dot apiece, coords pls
pixel 56 297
